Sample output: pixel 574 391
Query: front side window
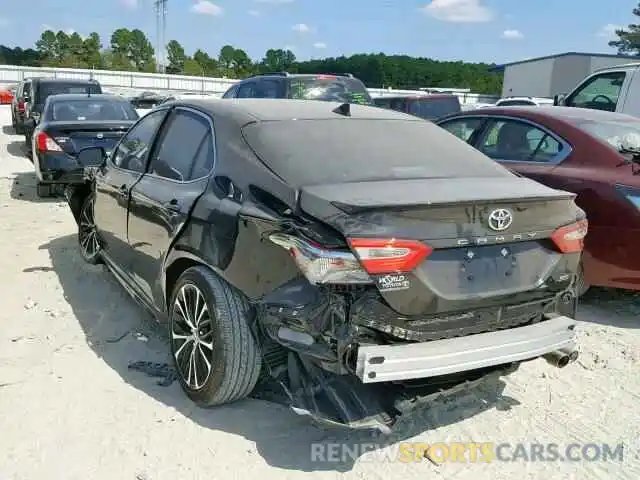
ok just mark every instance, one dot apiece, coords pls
pixel 463 128
pixel 131 152
pixel 519 142
pixel 185 150
pixel 600 92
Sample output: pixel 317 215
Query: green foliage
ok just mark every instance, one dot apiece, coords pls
pixel 628 42
pixel 131 50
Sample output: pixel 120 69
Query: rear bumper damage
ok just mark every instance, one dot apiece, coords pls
pixel 385 363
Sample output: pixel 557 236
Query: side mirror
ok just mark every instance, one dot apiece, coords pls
pixel 93 156
pixel 558 100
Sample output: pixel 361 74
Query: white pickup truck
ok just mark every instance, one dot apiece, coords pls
pixel 613 89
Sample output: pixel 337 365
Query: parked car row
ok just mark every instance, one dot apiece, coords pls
pixel 361 258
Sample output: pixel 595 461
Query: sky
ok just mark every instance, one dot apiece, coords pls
pixel 492 31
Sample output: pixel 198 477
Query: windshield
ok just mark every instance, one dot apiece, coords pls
pixel 330 88
pixel 434 108
pixel 91 110
pixel 618 134
pixel 47 89
pixel 363 150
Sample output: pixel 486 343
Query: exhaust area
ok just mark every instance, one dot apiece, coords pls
pixel 562 357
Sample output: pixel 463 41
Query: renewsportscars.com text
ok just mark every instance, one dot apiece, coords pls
pixel 470 452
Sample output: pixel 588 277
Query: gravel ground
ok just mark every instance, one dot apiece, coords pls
pixel 72 409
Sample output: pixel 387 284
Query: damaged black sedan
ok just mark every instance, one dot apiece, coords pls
pixel 362 259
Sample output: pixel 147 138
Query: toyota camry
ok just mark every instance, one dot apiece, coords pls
pixel 361 258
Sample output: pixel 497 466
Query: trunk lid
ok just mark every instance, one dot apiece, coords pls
pixel 74 136
pixel 471 261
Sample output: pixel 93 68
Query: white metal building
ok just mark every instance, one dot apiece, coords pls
pixel 548 76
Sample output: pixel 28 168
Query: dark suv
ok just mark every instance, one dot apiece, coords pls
pixel 18 105
pixel 36 90
pixel 328 87
pixel 429 107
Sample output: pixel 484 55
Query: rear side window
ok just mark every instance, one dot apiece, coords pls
pixel 185 151
pixel 434 108
pixel 364 149
pixel 520 142
pixel 330 88
pixel 600 92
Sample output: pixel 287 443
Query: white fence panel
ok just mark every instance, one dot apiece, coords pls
pixel 137 81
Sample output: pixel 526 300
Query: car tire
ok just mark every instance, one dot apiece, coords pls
pixel 214 352
pixel 88 239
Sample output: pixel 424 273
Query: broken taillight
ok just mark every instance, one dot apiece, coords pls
pixel 379 256
pixel 570 238
pixel 320 265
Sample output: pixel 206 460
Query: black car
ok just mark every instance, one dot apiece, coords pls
pixel 361 257
pixel 332 88
pixel 429 107
pixel 41 88
pixel 69 123
pixel 147 100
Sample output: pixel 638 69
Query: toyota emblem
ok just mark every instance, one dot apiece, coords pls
pixel 500 219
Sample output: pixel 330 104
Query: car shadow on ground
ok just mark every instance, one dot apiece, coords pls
pixel 17 148
pixel 612 307
pixel 24 188
pixel 121 333
pixel 9 130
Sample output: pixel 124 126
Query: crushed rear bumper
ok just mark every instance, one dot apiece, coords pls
pixel 384 363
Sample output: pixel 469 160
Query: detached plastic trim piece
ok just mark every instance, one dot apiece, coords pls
pixel 443 357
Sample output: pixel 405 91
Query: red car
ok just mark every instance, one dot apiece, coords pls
pixel 588 152
pixel 6 96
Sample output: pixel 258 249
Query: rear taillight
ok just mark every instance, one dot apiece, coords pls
pixel 44 143
pixel 21 105
pixel 320 265
pixel 379 256
pixel 570 238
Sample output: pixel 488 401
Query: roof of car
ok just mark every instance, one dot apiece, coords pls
pixel 247 110
pixel 64 80
pixel 560 113
pixel 418 96
pixel 84 96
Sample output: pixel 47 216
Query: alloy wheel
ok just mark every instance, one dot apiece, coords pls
pixel 88 233
pixel 192 336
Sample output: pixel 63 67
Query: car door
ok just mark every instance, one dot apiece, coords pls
pixel 526 147
pixel 161 201
pixel 123 169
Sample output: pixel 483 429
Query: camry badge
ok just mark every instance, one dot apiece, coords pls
pixel 500 219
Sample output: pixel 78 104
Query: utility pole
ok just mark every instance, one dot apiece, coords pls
pixel 160 7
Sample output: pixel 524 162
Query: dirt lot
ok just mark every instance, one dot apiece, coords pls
pixel 72 409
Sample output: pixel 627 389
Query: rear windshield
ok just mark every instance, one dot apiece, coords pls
pixel 515 103
pixel 363 150
pixel 433 108
pixel 47 89
pixel 618 134
pixel 90 110
pixel 330 88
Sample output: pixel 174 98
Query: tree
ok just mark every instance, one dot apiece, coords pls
pixel 176 57
pixel 208 64
pixel 132 50
pixel 91 51
pixel 191 67
pixel 628 42
pixel 225 59
pixel 47 47
pixel 277 60
pixel 241 63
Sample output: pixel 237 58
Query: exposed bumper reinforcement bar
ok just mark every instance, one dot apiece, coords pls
pixel 442 357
